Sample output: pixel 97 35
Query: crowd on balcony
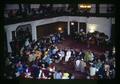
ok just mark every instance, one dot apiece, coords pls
pixel 28 13
pixel 43 11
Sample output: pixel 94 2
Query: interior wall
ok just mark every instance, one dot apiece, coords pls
pixel 103 25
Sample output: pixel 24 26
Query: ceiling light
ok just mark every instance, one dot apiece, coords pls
pixel 85 6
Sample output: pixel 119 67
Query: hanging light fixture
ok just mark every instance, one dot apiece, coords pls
pixel 85 6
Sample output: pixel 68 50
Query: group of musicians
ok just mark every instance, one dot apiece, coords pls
pixel 96 38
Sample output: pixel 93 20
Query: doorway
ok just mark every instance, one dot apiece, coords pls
pixel 82 26
pixel 47 29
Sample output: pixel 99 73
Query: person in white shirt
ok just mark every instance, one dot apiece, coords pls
pixel 27 42
pixel 82 66
pixel 40 74
pixel 61 54
pixel 77 65
pixel 93 70
pixel 68 55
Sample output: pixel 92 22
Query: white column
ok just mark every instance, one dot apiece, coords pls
pixel 68 28
pixel 9 39
pixel 78 27
pixel 34 32
pixel 110 27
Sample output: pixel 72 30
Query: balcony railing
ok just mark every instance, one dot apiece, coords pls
pixel 49 14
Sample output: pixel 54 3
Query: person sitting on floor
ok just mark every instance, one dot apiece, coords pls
pixel 65 75
pixel 58 75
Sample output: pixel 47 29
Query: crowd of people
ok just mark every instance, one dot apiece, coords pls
pixel 44 11
pixel 96 38
pixel 37 59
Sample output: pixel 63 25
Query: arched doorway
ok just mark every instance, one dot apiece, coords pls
pixel 23 32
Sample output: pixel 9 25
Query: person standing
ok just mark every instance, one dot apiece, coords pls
pixel 53 39
pixel 82 66
pixel 107 70
pixel 61 54
pixel 93 71
pixel 68 55
pixel 77 65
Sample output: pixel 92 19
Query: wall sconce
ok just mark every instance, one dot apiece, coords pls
pixel 72 23
pixel 92 28
pixel 60 29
